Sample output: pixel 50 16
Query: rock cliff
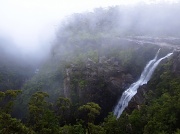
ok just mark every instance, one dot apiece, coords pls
pixel 101 82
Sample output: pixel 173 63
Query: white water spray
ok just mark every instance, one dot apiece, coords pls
pixel 132 90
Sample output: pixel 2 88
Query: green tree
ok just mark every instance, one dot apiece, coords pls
pixel 42 118
pixel 89 111
pixel 117 126
pixel 7 100
pixel 9 125
pixel 95 129
pixel 75 129
pixel 62 107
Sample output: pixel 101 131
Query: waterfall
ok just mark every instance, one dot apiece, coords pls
pixel 132 90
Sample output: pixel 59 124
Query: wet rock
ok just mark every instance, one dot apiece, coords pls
pixel 138 99
pixel 67 83
pixel 176 63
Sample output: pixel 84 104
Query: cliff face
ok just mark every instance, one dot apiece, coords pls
pixel 101 82
pixel 103 79
pixel 176 63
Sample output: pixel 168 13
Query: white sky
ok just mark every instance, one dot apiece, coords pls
pixel 28 21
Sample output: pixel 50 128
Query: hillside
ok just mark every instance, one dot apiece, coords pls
pixel 94 59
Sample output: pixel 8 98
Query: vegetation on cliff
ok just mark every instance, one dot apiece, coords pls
pixel 76 89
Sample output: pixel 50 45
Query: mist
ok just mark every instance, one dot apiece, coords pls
pixel 31 25
pixel 65 65
pixel 155 21
pixel 28 30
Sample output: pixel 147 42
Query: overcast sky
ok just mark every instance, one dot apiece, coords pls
pixel 29 22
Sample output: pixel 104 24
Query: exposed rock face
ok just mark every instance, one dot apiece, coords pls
pixel 138 99
pixel 67 83
pixel 176 63
pixel 106 73
pixel 101 82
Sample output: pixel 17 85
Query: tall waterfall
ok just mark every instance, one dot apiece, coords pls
pixel 132 90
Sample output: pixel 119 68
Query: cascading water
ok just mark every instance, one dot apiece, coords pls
pixel 132 90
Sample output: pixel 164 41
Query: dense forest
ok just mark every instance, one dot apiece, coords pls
pixel 93 60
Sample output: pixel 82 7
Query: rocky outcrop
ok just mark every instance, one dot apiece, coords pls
pixel 138 99
pixel 176 63
pixel 67 83
pixel 103 74
pixel 101 82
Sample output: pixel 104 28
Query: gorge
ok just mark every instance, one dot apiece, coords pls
pixel 115 54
